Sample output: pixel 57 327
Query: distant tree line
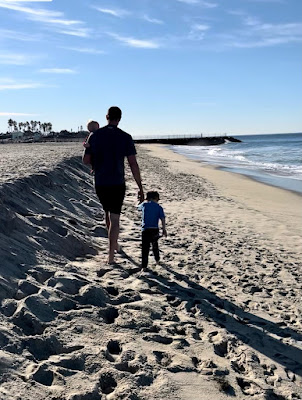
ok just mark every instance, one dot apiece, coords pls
pixel 33 126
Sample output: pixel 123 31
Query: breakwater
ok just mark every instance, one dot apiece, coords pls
pixel 190 141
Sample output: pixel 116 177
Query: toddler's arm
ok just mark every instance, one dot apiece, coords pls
pixel 163 221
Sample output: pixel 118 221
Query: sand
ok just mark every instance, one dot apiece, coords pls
pixel 220 318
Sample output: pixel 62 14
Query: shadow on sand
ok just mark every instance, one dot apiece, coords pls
pixel 261 334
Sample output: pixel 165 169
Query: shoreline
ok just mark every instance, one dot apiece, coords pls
pixel 267 180
pixel 285 183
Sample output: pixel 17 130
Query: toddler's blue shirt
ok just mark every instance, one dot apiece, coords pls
pixel 152 212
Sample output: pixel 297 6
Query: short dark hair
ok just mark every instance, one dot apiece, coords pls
pixel 152 195
pixel 114 113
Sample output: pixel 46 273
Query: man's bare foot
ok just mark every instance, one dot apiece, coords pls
pixel 110 261
pixel 118 248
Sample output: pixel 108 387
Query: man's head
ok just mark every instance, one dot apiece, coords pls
pixel 154 196
pixel 92 126
pixel 114 115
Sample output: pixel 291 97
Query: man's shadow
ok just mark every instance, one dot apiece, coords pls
pixel 261 334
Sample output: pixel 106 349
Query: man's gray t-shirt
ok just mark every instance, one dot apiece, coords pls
pixel 108 148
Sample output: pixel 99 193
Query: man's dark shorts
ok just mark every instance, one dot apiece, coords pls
pixel 111 197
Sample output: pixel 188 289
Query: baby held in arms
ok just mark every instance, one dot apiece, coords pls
pixel 92 126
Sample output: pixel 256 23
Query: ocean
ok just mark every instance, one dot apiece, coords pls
pixel 274 159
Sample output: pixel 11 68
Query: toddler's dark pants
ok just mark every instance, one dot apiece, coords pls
pixel 149 236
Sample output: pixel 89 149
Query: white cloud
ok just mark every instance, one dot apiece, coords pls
pixel 133 42
pixel 189 1
pixel 66 22
pixel 15 114
pixel 255 33
pixel 114 12
pixel 52 18
pixel 58 70
pixel 152 20
pixel 202 3
pixel 43 13
pixel 79 32
pixel 87 50
pixel 15 59
pixel 265 42
pixel 251 21
pixel 19 86
pixel 266 1
pixel 27 1
pixel 279 29
pixel 197 31
pixel 14 35
pixel 12 84
pixel 200 27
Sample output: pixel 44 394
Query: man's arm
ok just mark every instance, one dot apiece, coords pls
pixel 137 176
pixel 86 158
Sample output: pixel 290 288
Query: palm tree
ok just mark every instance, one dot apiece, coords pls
pixel 10 124
pixel 43 126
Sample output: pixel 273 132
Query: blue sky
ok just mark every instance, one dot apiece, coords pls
pixel 173 66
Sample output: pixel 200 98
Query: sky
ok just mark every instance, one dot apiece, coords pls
pixel 174 67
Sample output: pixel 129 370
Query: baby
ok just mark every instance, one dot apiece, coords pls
pixel 92 126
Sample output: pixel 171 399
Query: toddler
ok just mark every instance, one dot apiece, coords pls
pixel 152 212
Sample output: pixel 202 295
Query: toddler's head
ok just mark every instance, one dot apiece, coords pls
pixel 154 196
pixel 92 126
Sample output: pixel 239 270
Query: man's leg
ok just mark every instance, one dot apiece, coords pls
pixel 107 218
pixel 113 233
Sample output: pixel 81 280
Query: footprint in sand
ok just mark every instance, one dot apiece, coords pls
pixel 41 374
pixel 113 350
pixel 43 348
pixel 162 358
pixel 107 382
pixel 109 314
pixel 158 338
pixel 27 322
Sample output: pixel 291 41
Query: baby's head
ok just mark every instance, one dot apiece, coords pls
pixel 92 126
pixel 154 196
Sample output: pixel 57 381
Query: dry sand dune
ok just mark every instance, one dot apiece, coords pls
pixel 220 318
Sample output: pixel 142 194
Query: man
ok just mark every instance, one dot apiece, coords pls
pixel 108 147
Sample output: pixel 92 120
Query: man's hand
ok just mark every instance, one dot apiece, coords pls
pixel 164 233
pixel 137 176
pixel 140 195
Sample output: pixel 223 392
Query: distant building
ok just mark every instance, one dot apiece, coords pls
pixel 17 135
pixel 37 136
